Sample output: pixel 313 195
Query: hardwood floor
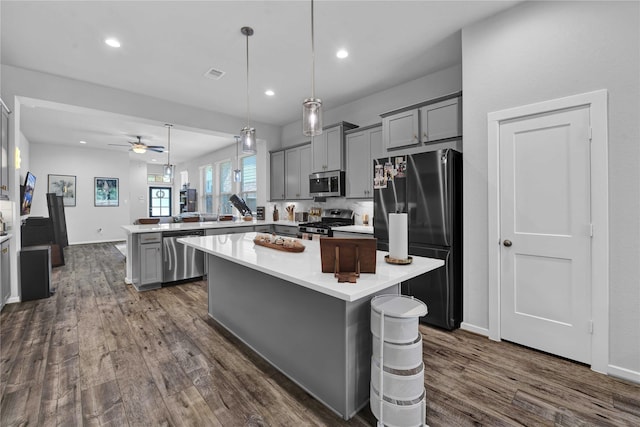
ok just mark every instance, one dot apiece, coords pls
pixel 100 353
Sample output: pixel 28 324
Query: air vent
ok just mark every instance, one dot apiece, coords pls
pixel 214 74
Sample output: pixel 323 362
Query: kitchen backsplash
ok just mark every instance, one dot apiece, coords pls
pixel 359 207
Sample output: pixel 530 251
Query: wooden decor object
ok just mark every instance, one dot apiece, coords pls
pixel 191 219
pixel 148 220
pixel 279 243
pixel 346 258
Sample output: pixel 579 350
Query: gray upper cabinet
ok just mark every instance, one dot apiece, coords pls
pixel 441 120
pixel 427 122
pixel 277 176
pixel 290 169
pixel 298 168
pixel 328 148
pixel 362 147
pixel 4 155
pixel 401 129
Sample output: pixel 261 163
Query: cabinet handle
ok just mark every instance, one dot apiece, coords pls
pixel 5 250
pixel 4 187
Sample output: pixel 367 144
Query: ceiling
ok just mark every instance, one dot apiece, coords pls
pixel 168 46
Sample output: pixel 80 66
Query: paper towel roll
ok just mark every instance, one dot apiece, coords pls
pixel 398 236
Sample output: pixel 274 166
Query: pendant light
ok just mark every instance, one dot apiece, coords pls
pixel 237 173
pixel 168 168
pixel 248 134
pixel 312 107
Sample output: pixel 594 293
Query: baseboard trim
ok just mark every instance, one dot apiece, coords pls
pixel 96 241
pixel 475 329
pixel 624 373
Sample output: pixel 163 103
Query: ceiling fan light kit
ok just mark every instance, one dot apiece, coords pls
pixel 248 134
pixel 312 107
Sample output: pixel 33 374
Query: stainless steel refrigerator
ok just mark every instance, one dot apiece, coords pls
pixel 428 187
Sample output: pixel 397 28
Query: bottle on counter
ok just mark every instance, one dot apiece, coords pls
pixel 276 214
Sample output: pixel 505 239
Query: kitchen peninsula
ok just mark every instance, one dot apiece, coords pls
pixel 148 248
pixel 310 327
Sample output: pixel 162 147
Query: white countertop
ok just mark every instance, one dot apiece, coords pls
pixel 362 229
pixel 305 268
pixel 151 228
pixel 5 237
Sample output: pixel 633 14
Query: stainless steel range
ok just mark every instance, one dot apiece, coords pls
pixel 322 228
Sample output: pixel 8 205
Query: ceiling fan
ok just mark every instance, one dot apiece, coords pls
pixel 140 147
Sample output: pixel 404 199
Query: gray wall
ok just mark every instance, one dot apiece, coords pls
pixel 538 51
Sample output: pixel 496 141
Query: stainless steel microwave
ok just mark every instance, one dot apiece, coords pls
pixel 326 184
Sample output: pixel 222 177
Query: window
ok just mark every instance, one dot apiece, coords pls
pixel 159 201
pixel 207 186
pixel 249 183
pixel 225 186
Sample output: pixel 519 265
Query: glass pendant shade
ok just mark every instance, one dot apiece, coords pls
pixel 168 170
pixel 312 117
pixel 248 140
pixel 237 175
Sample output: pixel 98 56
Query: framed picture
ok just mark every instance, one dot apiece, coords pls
pixel 106 191
pixel 65 186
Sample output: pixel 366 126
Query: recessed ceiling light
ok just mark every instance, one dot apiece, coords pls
pixel 342 54
pixel 112 42
pixel 269 92
pixel 153 160
pixel 83 142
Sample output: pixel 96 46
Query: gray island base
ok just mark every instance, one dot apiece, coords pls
pixel 311 328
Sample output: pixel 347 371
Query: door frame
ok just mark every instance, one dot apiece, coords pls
pixel 597 103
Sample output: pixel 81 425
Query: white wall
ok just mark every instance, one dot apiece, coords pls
pixel 366 111
pixel 544 50
pixel 84 221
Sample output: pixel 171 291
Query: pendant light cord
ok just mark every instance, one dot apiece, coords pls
pixel 313 58
pixel 168 143
pixel 247 37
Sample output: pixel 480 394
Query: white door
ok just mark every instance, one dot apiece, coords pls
pixel 545 229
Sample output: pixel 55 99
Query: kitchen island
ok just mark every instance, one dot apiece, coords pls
pixel 310 327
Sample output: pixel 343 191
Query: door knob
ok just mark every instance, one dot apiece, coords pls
pixel 507 243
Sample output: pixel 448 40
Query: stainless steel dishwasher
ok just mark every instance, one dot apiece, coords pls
pixel 180 262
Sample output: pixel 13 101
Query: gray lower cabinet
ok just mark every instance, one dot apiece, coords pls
pixel 5 282
pixel 362 147
pixel 285 230
pixel 150 258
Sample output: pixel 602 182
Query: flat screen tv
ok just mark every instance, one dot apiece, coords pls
pixel 27 195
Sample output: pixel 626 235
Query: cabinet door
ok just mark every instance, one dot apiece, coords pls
pixel 358 164
pixel 5 289
pixel 292 175
pixel 440 120
pixel 4 155
pixel 401 129
pixel 150 264
pixel 319 152
pixel 333 144
pixel 277 176
pixel 305 170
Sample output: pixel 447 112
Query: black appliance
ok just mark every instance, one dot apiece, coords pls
pixel 428 187
pixel 332 218
pixel 35 272
pixel 240 204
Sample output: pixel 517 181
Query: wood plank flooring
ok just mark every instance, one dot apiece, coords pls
pixel 100 353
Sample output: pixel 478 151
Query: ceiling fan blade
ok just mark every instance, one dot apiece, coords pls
pixel 119 145
pixel 156 146
pixel 155 149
